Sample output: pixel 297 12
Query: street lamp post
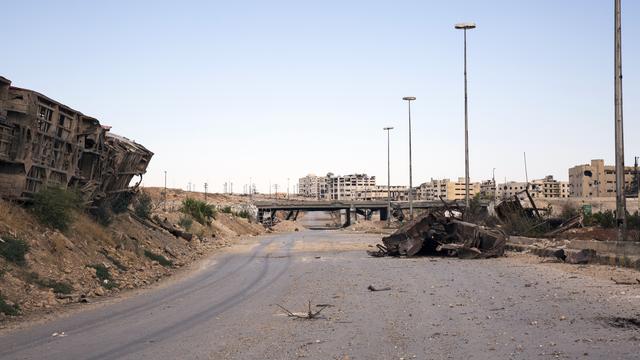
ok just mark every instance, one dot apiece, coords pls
pixel 465 27
pixel 409 99
pixel 388 176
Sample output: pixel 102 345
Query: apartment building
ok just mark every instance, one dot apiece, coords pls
pixel 313 186
pixel 596 179
pixel 397 192
pixel 447 189
pixel 547 187
pixel 350 187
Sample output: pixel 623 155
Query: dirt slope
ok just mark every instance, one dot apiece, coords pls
pixel 123 248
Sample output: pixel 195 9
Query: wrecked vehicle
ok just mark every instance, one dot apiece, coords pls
pixel 435 233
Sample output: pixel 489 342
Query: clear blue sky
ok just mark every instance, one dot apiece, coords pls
pixel 277 89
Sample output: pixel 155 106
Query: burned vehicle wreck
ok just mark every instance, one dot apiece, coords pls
pixel 45 143
pixel 439 233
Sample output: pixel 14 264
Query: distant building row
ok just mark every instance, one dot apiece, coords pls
pixel 590 180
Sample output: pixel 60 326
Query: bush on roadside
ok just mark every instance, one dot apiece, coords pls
pixel 121 202
pixel 10 310
pixel 605 219
pixel 143 205
pixel 633 221
pixel 60 287
pixel 103 274
pixel 14 249
pixel 185 222
pixel 243 214
pixel 199 210
pixel 226 210
pixel 55 207
pixel 159 258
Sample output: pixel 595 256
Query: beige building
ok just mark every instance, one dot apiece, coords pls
pixel 596 179
pixel 446 189
pixel 313 186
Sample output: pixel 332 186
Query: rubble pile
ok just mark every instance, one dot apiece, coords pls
pixel 440 233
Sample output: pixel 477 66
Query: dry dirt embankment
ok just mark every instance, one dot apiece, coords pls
pixel 91 260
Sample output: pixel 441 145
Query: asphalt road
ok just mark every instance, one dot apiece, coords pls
pixel 437 308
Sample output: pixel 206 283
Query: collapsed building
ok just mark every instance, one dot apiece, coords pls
pixel 45 143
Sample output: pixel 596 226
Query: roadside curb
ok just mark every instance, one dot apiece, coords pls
pixel 599 258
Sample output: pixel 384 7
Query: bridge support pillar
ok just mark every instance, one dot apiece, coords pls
pixel 384 214
pixel 347 221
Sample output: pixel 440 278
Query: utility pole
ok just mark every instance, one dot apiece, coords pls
pixel 387 129
pixel 526 174
pixel 206 186
pixel 495 187
pixel 287 188
pixel 164 202
pixel 276 188
pixel 620 198
pixel 637 185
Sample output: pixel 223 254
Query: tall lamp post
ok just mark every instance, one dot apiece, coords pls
pixel 620 198
pixel 388 176
pixel 465 27
pixel 409 99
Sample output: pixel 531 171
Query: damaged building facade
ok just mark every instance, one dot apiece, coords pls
pixel 45 143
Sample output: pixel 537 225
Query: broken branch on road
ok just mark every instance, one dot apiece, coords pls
pixel 308 315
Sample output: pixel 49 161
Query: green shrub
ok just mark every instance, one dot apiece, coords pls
pixel 121 202
pixel 226 210
pixel 55 206
pixel 60 287
pixel 14 250
pixel 605 219
pixel 159 258
pixel 11 310
pixel 185 222
pixel 633 221
pixel 143 205
pixel 243 214
pixel 102 273
pixel 199 210
pixel 102 212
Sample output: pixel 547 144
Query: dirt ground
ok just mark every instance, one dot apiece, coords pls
pixel 70 257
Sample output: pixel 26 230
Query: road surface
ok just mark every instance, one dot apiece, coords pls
pixel 437 308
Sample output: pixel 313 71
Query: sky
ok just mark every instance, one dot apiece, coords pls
pixel 266 91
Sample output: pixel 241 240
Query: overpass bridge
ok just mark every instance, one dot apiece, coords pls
pixel 268 209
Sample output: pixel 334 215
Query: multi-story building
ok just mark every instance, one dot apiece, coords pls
pixel 446 189
pixel 350 187
pixel 488 189
pixel 397 193
pixel 548 187
pixel 596 179
pixel 313 186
